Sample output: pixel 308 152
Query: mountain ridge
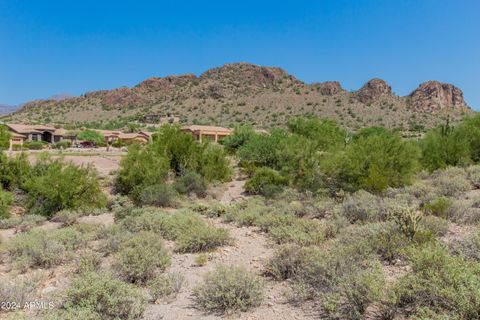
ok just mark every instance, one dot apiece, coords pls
pixel 264 96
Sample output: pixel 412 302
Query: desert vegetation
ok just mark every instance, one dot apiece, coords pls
pixel 310 221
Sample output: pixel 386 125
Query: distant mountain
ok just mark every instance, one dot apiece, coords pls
pixel 5 109
pixel 246 93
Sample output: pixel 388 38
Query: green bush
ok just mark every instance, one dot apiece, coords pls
pixel 92 136
pixel 438 207
pixel 240 136
pixel 14 171
pixel 141 257
pixel 191 182
pixel 106 296
pixel 140 167
pixel 214 164
pixel 373 163
pixel 166 286
pixel 6 200
pixel 63 144
pixel 445 284
pixel 287 261
pixel 444 146
pixel 63 186
pixel 160 195
pixel 34 145
pixel 229 289
pixel 5 137
pixel 265 181
pixel 326 133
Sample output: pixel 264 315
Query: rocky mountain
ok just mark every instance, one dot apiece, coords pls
pixel 247 93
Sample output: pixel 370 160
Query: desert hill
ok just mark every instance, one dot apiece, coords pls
pixel 247 93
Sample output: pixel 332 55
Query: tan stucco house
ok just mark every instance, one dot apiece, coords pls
pixel 213 133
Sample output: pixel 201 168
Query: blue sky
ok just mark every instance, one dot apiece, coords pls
pixel 50 47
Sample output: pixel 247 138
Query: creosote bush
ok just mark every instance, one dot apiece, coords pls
pixel 228 289
pixel 141 257
pixel 166 286
pixel 106 296
pixel 160 195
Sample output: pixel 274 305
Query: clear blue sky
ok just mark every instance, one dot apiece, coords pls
pixel 50 47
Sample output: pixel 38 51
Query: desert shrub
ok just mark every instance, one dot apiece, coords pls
pixel 63 186
pixel 463 211
pixel 438 207
pixel 373 163
pixel 141 257
pixel 214 164
pixel 444 146
pixel 288 260
pixel 240 136
pixel 5 137
pixel 14 171
pixel 42 248
pixel 191 182
pixel 301 231
pixel 451 182
pixel 165 286
pixel 63 144
pixel 112 238
pixel 438 226
pixel 121 206
pixel 20 290
pixel 346 278
pixel 473 174
pixel 229 289
pixel 261 149
pixel 265 181
pixel 443 283
pixel 6 200
pixel 469 247
pixel 34 145
pixel 201 237
pixel 140 167
pixel 326 133
pixel 88 261
pixel 160 195
pixel 72 314
pixel 68 217
pixel 22 223
pixel 110 298
pixel 364 207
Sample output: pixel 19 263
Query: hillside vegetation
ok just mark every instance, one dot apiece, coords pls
pixel 328 223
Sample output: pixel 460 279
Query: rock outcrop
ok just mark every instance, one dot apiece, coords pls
pixel 432 96
pixel 374 90
pixel 329 88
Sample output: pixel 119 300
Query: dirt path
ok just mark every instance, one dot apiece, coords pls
pixel 234 192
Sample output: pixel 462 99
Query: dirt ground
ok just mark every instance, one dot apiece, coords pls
pixel 105 162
